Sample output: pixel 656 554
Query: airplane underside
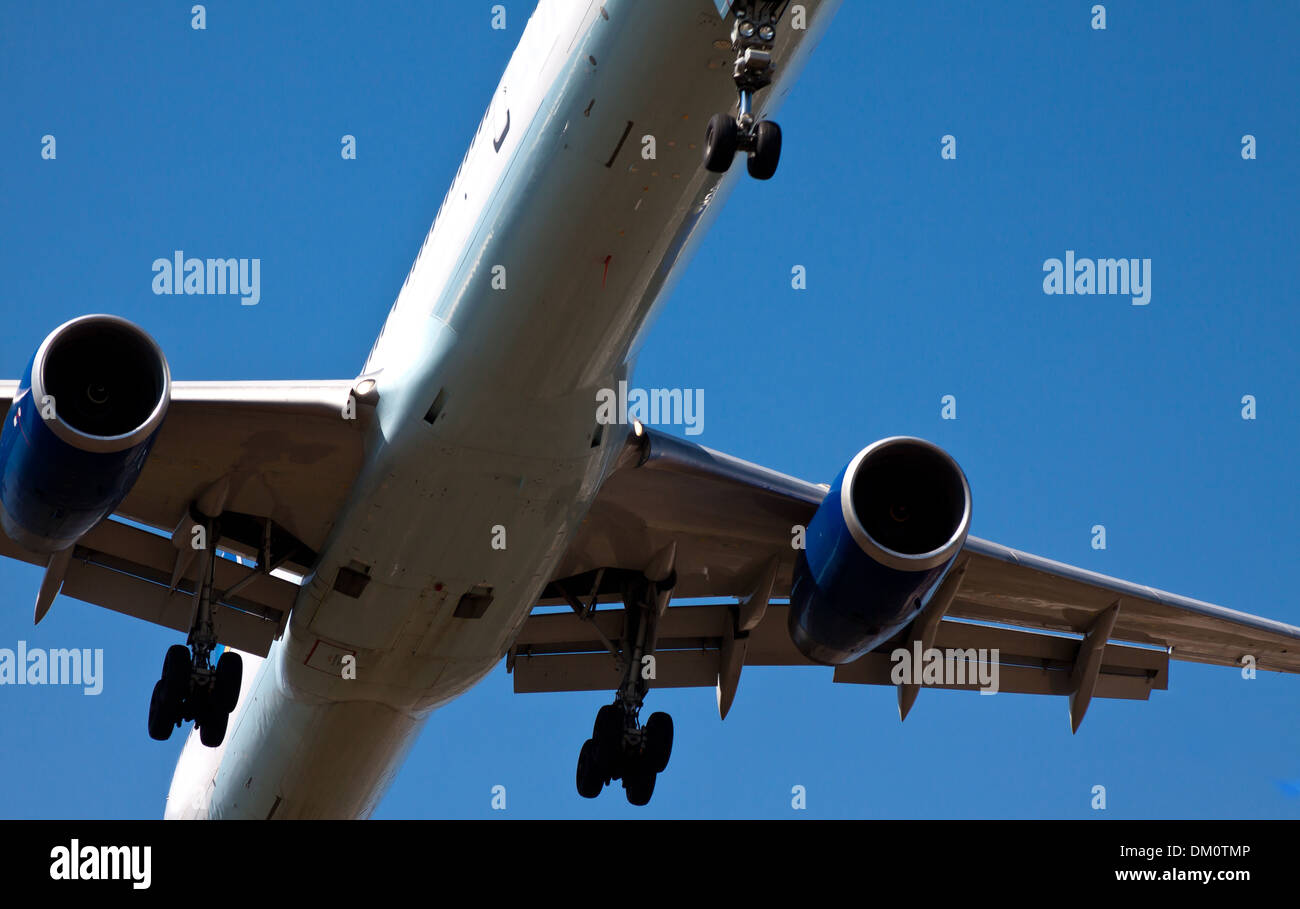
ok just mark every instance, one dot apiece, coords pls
pixel 593 233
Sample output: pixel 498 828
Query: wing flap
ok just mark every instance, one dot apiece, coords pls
pixel 695 627
pixel 561 652
pixel 598 672
pixel 1027 663
pixel 116 588
pixel 128 570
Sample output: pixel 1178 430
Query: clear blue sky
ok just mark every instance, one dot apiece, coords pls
pixel 924 279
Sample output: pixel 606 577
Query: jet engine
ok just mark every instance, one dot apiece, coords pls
pixel 79 429
pixel 892 523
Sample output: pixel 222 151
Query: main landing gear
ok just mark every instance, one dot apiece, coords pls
pixel 753 34
pixel 191 688
pixel 621 747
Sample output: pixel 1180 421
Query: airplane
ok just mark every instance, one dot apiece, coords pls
pixel 326 546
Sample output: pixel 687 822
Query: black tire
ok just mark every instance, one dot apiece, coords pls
pixel 639 783
pixel 212 727
pixel 590 780
pixel 197 705
pixel 230 675
pixel 720 141
pixel 659 741
pixel 161 722
pixel 767 150
pixel 609 722
pixel 176 677
pixel 607 740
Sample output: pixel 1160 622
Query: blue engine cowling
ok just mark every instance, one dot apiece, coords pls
pixel 888 529
pixel 79 429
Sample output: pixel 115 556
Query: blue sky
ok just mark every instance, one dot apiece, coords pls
pixel 924 278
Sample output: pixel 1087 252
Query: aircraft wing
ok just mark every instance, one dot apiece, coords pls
pixel 287 456
pixel 733 523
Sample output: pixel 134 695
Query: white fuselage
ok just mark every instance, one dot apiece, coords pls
pixel 543 267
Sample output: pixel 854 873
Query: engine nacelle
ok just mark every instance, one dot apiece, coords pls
pixel 891 524
pixel 79 429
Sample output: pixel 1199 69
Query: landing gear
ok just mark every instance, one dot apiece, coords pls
pixel 191 688
pixel 767 150
pixel 590 779
pixel 186 692
pixel 659 740
pixel 160 721
pixel 753 35
pixel 621 747
pixel 639 781
pixel 212 725
pixel 721 140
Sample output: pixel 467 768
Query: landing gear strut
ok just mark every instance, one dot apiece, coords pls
pixel 621 747
pixel 753 35
pixel 191 688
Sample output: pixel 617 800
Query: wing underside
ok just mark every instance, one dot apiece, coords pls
pixel 285 455
pixel 1056 628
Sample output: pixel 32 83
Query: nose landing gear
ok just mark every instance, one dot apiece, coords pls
pixel 753 35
